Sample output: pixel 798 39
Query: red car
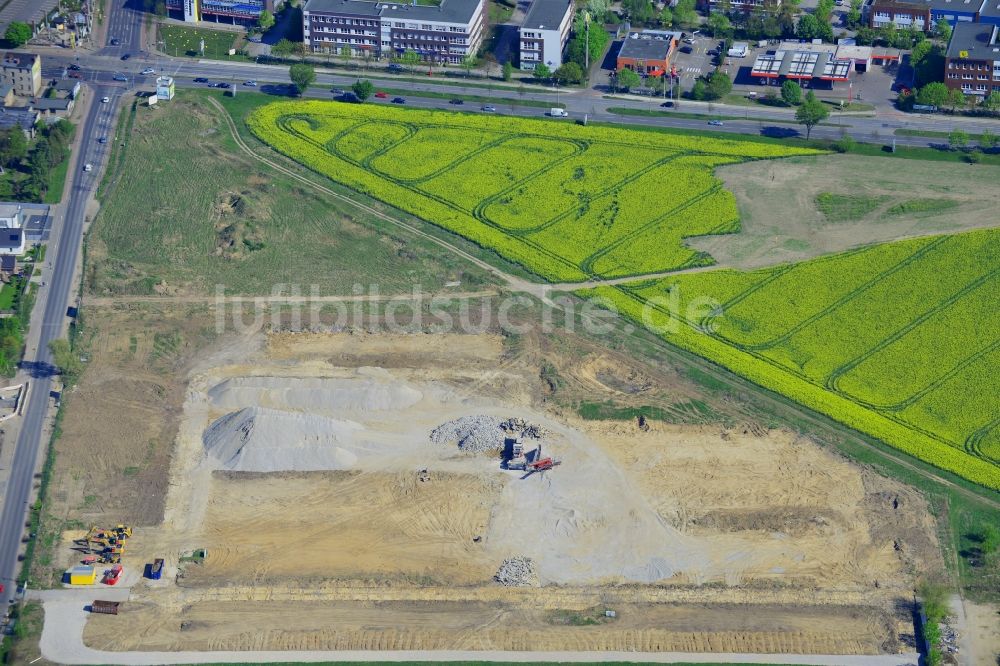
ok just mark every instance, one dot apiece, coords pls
pixel 381 95
pixel 75 75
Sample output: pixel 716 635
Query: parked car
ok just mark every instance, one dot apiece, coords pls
pixel 689 41
pixel 489 108
pixel 102 139
pixel 456 101
pixel 398 100
pixel 250 84
pixel 394 68
pixel 686 49
pixel 147 71
pixel 201 79
pixel 716 123
pixel 118 76
pixel 382 95
pixel 105 100
pixel 74 67
pixel 88 167
pixel 126 56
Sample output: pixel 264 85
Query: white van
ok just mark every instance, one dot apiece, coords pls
pixel 558 113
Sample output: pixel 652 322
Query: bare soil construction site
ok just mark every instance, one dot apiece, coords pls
pixel 348 492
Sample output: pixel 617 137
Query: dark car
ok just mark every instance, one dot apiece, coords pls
pixel 115 42
pixel 223 85
pixel 456 101
pixel 74 67
pixel 126 56
pixel 398 100
pixel 667 105
pixel 349 97
pixel 102 139
pixel 201 79
pixel 394 68
pixel 337 92
pixel 685 49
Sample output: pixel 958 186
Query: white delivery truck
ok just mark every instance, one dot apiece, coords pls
pixel 558 113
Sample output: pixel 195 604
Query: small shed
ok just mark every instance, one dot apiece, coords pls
pixel 82 575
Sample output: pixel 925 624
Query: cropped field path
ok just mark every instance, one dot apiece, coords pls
pixel 106 301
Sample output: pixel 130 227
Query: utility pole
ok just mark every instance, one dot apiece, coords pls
pixel 586 48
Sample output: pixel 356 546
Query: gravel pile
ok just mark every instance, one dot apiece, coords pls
pixel 517 571
pixel 482 433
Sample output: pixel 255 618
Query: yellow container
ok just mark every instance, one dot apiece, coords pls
pixel 82 575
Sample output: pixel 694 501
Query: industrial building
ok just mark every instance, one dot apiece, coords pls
pixel 648 52
pixel 237 12
pixel 446 33
pixel 972 61
pixel 543 35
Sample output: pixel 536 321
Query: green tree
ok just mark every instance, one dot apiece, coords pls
pixel 65 359
pixel 988 140
pixel 666 17
pixel 410 59
pixel 363 89
pixel 508 71
pixel 992 101
pixel 823 11
pixel 719 85
pixel 720 25
pixel 13 146
pixel 933 94
pixel 628 79
pixel 854 14
pixel 639 12
pixel 699 90
pixel 17 34
pixel 266 20
pixel 568 72
pixel 957 139
pixel 844 144
pixel 956 99
pixel 943 29
pixel 685 15
pixel 542 72
pixel 286 47
pixel 469 63
pixel 791 92
pixel 811 113
pixel 989 541
pixel 302 75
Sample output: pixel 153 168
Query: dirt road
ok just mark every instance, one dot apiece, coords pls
pixel 62 642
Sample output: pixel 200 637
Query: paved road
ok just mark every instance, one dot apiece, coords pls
pixel 50 318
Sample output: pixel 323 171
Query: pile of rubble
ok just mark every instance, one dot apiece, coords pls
pixel 482 433
pixel 518 571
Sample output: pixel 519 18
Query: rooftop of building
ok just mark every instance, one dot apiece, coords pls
pixel 52 103
pixel 648 45
pixel 19 59
pixel 965 6
pixel 976 41
pixel 9 211
pixel 449 11
pixel 546 14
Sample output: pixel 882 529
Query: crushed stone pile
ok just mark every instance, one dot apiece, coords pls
pixel 482 433
pixel 257 439
pixel 518 571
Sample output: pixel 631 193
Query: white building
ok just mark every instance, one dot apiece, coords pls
pixel 543 35
pixel 11 230
pixel 164 88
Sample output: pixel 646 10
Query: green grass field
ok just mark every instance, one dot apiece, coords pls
pixel 201 214
pixel 181 41
pixel 565 201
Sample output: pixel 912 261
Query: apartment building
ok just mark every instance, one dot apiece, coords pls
pixel 22 72
pixel 544 32
pixel 237 12
pixel 972 61
pixel 445 33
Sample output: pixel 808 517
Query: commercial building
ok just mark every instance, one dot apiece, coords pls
pixel 543 35
pixel 648 52
pixel 237 12
pixel 23 72
pixel 972 61
pixel 445 33
pixel 809 64
pixel 925 14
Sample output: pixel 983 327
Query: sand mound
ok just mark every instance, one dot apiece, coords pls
pixel 257 439
pixel 360 394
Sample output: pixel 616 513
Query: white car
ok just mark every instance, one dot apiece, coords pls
pixel 88 167
pixel 148 70
pixel 105 100
pixel 251 83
